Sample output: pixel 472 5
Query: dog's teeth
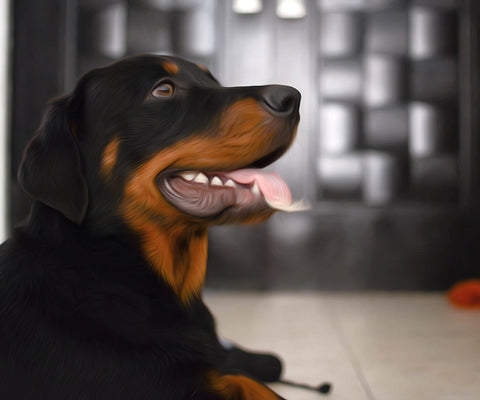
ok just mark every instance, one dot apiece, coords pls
pixel 230 183
pixel 216 181
pixel 201 178
pixel 188 176
pixel 255 189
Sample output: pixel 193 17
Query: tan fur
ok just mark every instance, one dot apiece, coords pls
pixel 109 157
pixel 170 67
pixel 176 244
pixel 234 387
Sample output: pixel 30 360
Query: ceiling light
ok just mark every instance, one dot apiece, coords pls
pixel 247 6
pixel 291 9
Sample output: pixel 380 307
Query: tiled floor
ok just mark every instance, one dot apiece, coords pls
pixel 370 346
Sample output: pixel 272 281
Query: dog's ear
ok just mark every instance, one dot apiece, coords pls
pixel 51 170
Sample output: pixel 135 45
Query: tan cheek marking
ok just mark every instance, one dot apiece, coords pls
pixel 241 138
pixel 109 157
pixel 242 135
pixel 74 129
pixel 170 67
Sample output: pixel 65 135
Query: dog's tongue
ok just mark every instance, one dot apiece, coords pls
pixel 273 187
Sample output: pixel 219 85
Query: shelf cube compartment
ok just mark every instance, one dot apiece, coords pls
pixel 342 5
pixel 434 179
pixel 338 128
pixel 431 130
pixel 103 31
pixel 340 177
pixel 381 178
pixel 432 33
pixel 149 30
pixel 386 129
pixel 384 80
pixel 434 80
pixel 341 80
pixel 340 34
pixel 196 33
pixel 386 32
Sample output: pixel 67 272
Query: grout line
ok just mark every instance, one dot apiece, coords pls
pixel 350 353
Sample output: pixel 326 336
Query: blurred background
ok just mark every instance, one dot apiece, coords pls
pixel 388 145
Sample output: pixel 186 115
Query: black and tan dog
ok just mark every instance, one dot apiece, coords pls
pixel 100 291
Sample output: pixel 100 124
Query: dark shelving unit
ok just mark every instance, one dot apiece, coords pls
pixel 387 150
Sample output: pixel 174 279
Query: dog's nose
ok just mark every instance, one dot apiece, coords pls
pixel 281 100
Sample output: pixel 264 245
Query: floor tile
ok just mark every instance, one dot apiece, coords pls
pixel 298 328
pixel 411 346
pixel 380 346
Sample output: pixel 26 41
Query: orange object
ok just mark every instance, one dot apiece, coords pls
pixel 466 294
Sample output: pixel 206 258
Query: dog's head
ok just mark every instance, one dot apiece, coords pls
pixel 156 147
pixel 157 140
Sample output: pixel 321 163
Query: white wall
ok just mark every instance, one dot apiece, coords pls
pixel 4 110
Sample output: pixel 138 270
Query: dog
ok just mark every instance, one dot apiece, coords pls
pixel 100 289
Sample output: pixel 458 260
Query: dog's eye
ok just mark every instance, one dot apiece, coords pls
pixel 163 90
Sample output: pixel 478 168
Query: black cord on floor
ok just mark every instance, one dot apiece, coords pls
pixel 324 388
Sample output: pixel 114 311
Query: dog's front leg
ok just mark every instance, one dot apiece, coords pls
pixel 265 367
pixel 237 387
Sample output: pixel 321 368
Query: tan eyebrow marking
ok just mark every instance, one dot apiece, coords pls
pixel 203 67
pixel 109 157
pixel 73 128
pixel 170 67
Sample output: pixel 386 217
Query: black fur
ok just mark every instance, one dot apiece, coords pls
pixel 53 155
pixel 82 313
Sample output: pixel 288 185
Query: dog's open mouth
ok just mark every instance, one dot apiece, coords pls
pixel 207 194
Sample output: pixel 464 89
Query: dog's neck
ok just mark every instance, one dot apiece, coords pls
pixel 179 255
pixel 49 225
